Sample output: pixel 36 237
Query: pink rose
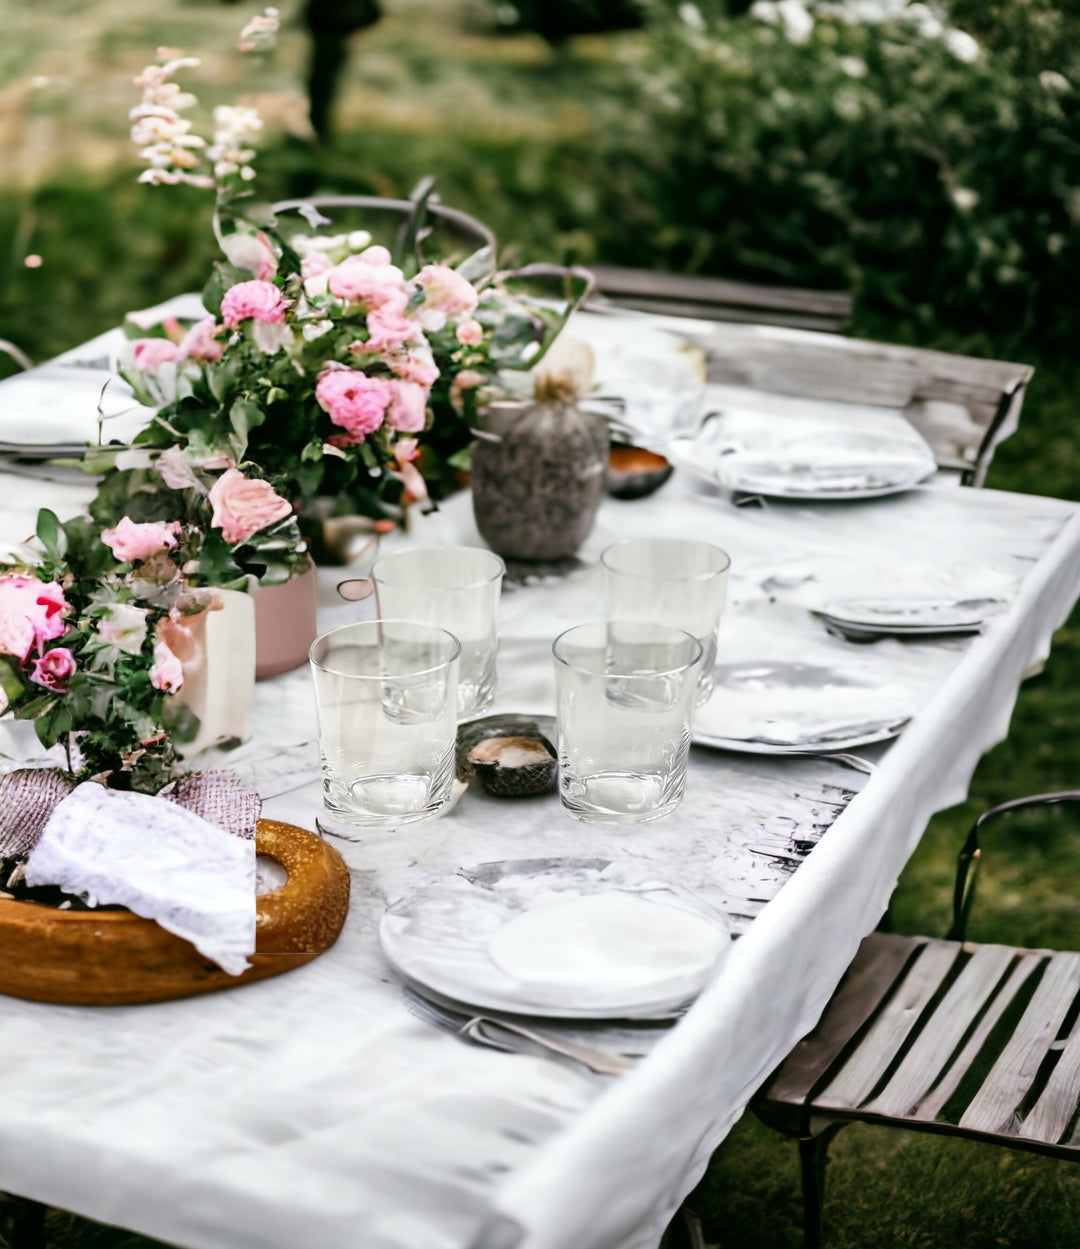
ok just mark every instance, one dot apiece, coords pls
pixel 407 410
pixel 377 286
pixel 467 379
pixel 31 614
pixel 200 342
pixel 416 366
pixel 151 353
pixel 252 301
pixel 53 668
pixel 244 505
pixel 132 541
pixel 166 672
pixel 353 400
pixel 446 294
pixel 253 252
pixel 389 330
pixel 469 333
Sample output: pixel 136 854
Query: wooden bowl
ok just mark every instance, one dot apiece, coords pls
pixel 111 958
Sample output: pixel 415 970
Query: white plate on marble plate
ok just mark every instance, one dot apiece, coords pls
pixel 788 707
pixel 911 617
pixel 555 938
pixel 813 461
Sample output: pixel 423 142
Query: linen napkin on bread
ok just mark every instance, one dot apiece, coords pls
pixel 157 859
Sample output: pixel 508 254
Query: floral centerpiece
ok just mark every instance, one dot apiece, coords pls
pixel 96 624
pixel 347 375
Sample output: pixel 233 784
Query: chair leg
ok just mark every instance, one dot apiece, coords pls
pixel 684 1231
pixel 22 1223
pixel 813 1157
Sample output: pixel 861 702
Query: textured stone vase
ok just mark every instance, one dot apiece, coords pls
pixel 538 474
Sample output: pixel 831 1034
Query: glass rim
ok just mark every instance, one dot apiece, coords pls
pixel 390 556
pixel 380 676
pixel 622 543
pixel 673 633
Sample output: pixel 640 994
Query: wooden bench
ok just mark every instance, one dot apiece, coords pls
pixel 722 300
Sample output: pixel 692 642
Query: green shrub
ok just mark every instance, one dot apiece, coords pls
pixel 936 178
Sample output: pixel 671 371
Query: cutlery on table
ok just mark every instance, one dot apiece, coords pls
pixel 513 1038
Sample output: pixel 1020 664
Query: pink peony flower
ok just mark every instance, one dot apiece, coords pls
pixel 53 668
pixel 375 255
pixel 417 365
pixel 244 505
pixel 31 614
pixel 389 330
pixel 469 333
pixel 200 342
pixel 133 541
pixel 166 672
pixel 377 286
pixel 353 400
pixel 446 294
pixel 152 353
pixel 252 301
pixel 407 410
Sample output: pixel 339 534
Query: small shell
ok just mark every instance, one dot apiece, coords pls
pixel 514 765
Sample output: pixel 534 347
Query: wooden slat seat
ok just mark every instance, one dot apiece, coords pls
pixel 945 1036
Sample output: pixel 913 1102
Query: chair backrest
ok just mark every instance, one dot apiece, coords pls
pixel 444 233
pixel 970 856
pixel 719 299
pixel 963 406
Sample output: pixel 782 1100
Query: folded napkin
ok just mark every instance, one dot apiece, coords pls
pixel 157 859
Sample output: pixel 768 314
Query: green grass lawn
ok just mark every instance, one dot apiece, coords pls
pixel 506 124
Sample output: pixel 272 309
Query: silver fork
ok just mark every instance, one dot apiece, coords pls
pixel 510 1037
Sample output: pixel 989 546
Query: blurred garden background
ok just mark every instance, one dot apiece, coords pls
pixel 923 158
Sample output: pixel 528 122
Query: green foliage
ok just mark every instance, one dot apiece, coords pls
pixel 870 157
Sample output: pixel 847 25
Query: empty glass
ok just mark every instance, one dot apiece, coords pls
pixel 670 581
pixel 386 694
pixel 456 588
pixel 625 692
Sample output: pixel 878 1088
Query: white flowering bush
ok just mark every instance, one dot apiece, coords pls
pixel 923 158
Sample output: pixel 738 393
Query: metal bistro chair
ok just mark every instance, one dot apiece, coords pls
pixel 975 1041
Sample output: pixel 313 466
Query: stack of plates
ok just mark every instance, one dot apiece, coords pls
pixel 864 619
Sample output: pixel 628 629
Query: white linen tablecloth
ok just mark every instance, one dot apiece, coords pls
pixel 314 1109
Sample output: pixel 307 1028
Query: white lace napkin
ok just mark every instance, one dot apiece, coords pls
pixel 157 859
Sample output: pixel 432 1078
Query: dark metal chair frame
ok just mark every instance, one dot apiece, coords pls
pixel 913 1016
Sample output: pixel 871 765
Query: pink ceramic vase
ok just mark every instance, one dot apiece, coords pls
pixel 285 624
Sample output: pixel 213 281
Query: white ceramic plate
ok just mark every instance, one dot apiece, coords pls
pixel 783 707
pixel 553 938
pixel 903 616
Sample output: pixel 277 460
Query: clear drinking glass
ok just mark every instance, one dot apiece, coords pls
pixel 456 588
pixel 625 692
pixel 673 582
pixel 386 694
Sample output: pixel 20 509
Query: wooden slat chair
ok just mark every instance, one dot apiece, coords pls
pixel 946 1036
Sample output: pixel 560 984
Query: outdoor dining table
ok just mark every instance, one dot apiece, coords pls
pixel 316 1109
